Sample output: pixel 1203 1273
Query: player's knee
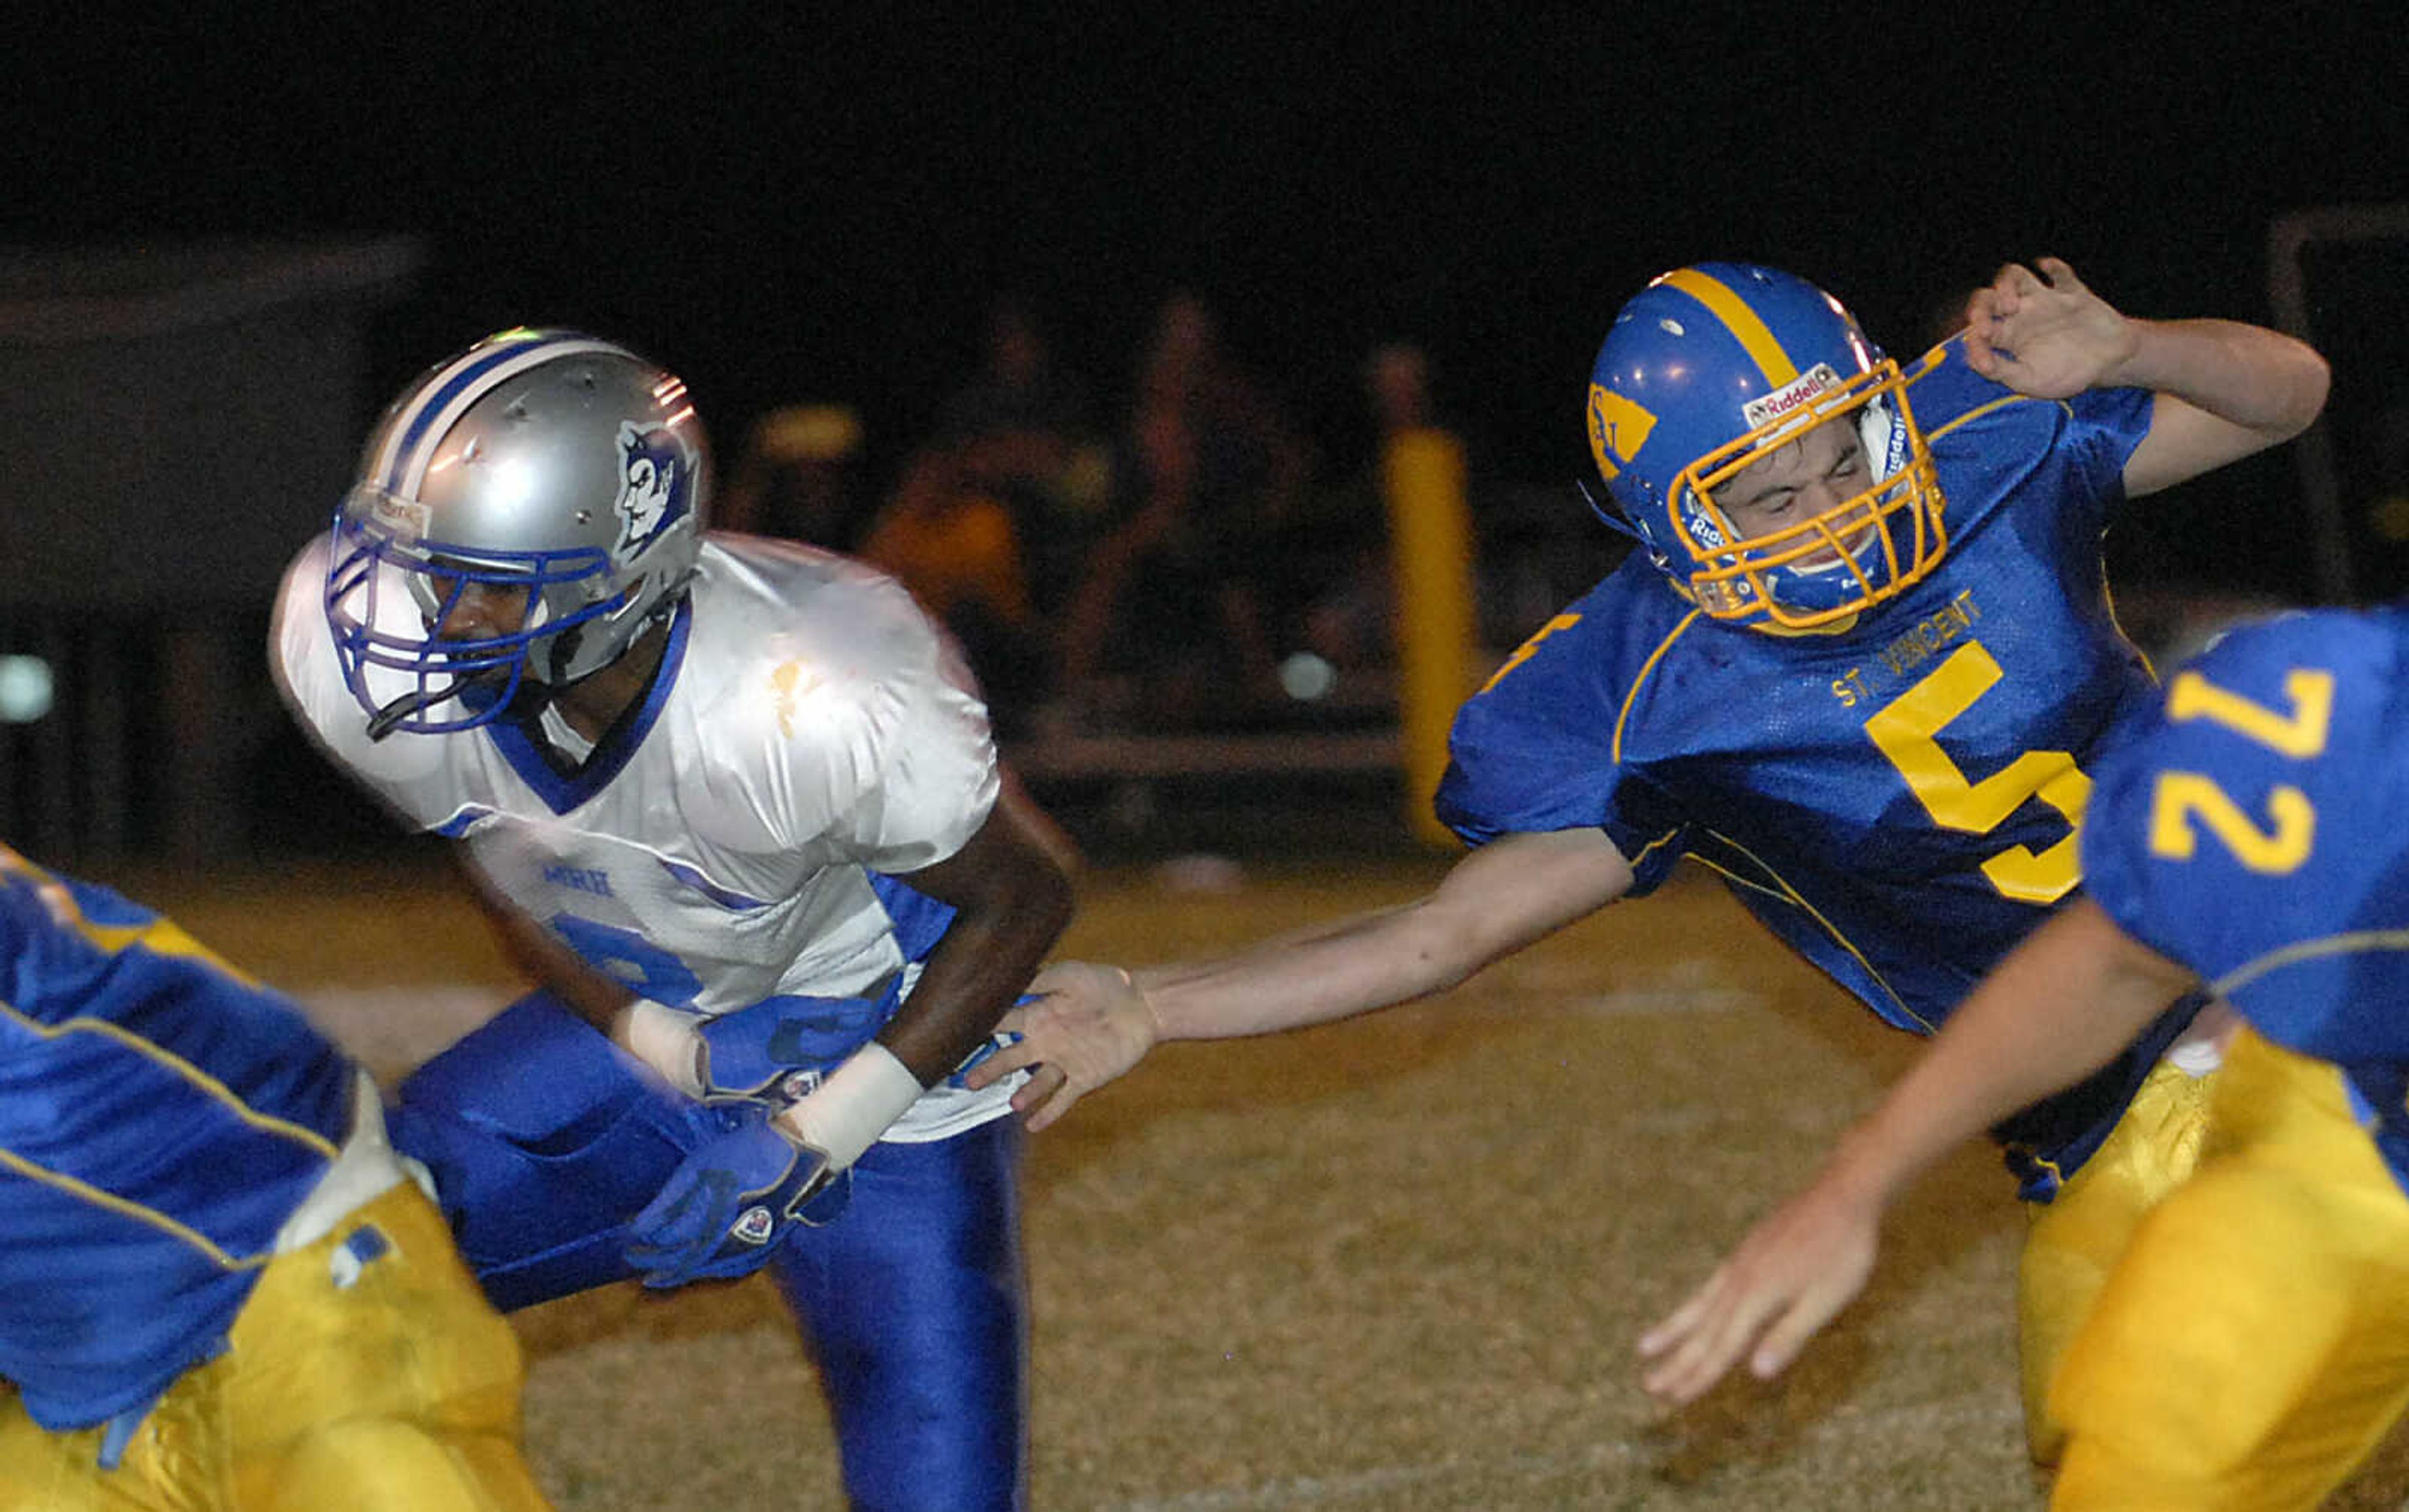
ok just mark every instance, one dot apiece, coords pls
pixel 382 1464
pixel 536 1079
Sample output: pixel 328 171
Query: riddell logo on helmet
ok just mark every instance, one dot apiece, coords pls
pixel 1701 525
pixel 1803 389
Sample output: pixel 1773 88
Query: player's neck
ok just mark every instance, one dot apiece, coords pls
pixel 594 703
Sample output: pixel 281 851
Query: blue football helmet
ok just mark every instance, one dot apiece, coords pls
pixel 1714 368
pixel 556 464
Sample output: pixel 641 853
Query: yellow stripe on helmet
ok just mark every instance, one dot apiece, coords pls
pixel 1742 321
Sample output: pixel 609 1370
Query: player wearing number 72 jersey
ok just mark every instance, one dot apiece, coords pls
pixel 1858 668
pixel 2252 1344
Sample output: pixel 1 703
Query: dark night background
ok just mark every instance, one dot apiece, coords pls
pixel 818 203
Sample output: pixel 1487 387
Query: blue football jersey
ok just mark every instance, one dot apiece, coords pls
pixel 1895 795
pixel 161 1118
pixel 2252 832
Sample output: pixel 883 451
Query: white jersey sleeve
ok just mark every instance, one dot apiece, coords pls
pixel 853 727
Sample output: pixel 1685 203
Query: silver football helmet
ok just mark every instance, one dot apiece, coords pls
pixel 565 471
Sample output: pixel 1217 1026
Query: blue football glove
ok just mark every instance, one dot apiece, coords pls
pixel 774 1051
pixel 723 1211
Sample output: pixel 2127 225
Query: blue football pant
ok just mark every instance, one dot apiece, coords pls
pixel 544 1140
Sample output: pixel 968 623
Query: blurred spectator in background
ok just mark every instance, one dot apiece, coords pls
pixel 1342 593
pixel 800 478
pixel 1173 600
pixel 954 544
pixel 1022 414
pixel 1025 434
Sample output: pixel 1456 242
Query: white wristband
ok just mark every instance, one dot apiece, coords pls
pixel 845 1113
pixel 665 1040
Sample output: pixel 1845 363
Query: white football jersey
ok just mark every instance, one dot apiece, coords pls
pixel 808 727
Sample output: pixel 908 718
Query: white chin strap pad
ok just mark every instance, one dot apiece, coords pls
pixel 1885 439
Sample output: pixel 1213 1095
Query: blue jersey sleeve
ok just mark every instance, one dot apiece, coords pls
pixel 2101 429
pixel 1535 751
pixel 2247 830
pixel 160 1118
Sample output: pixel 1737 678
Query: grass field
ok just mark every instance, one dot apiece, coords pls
pixel 1393 1264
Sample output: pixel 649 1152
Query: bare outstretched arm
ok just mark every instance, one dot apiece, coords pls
pixel 1090 1024
pixel 2060 1005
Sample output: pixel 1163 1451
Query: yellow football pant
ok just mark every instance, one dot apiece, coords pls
pixel 2074 1242
pixel 2253 1346
pixel 387 1384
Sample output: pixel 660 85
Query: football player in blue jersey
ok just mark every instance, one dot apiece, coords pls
pixel 737 802
pixel 2252 1344
pixel 217 1286
pixel 1858 665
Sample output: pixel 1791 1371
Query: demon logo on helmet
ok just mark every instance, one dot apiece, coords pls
pixel 655 485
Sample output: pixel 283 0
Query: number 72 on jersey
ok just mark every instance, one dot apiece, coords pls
pixel 2182 804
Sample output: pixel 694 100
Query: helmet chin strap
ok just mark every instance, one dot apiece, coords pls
pixel 389 716
pixel 526 699
pixel 1612 519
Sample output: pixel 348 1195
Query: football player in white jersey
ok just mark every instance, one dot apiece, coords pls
pixel 738 802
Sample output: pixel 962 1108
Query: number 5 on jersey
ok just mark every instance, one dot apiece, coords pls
pixel 1907 732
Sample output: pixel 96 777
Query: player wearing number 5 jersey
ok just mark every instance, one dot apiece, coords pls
pixel 737 802
pixel 2252 1344
pixel 1859 667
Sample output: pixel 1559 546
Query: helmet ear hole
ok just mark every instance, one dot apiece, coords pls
pixel 560 652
